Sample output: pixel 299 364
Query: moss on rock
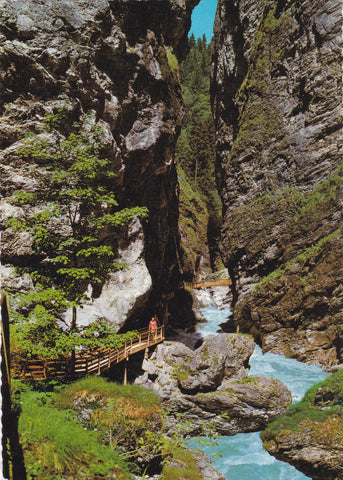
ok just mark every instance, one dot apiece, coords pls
pixel 193 221
pixel 296 310
pixel 313 425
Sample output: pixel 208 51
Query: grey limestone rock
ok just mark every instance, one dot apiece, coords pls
pixel 209 387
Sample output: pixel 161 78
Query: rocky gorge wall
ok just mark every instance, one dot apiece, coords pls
pixel 277 109
pixel 118 61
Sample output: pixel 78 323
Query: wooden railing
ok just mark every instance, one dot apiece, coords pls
pixel 86 362
pixel 209 283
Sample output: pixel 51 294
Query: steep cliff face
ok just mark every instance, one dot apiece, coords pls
pixel 276 102
pixel 118 60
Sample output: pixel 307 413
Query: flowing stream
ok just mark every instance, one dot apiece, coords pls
pixel 242 457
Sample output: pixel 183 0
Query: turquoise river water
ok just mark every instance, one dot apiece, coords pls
pixel 242 456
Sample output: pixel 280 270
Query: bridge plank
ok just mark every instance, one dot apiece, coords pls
pixel 209 283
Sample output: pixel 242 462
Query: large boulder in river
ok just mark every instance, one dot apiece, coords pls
pixel 176 368
pixel 247 405
pixel 210 389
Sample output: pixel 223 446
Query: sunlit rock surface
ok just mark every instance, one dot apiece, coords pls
pixel 125 292
pixel 210 388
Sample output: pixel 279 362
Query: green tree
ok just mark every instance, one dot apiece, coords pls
pixel 73 217
pixel 195 155
pixel 195 150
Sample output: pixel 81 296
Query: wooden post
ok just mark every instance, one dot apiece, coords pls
pixel 125 370
pixel 99 370
pixel 237 329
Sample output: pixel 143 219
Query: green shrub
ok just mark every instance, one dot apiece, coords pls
pixel 55 445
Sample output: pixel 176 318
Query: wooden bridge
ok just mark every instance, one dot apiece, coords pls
pixel 97 360
pixel 87 362
pixel 221 282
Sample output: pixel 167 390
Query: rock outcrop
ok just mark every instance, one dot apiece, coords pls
pixel 209 388
pixel 190 464
pixel 309 435
pixel 118 61
pixel 297 310
pixel 277 108
pixel 125 292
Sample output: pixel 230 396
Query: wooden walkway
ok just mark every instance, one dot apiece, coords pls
pixel 87 362
pixel 222 282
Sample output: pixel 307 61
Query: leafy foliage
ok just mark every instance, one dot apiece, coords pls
pixel 74 220
pixel 39 336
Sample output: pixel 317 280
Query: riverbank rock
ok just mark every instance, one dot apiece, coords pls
pixel 276 92
pixel 309 435
pixel 209 390
pixel 191 464
pixel 297 310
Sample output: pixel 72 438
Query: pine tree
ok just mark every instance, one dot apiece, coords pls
pixel 195 149
pixel 195 155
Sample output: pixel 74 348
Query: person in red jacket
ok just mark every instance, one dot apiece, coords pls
pixel 153 327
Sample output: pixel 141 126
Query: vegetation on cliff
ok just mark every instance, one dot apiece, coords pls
pixel 193 222
pixel 303 216
pixel 297 309
pixel 200 216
